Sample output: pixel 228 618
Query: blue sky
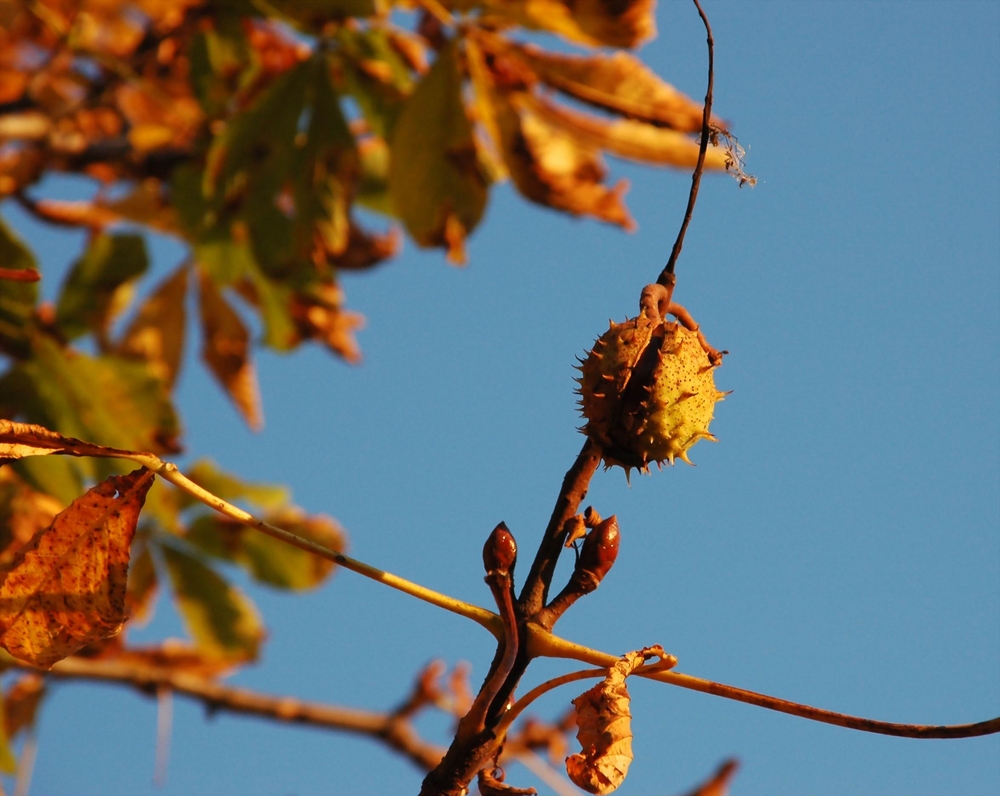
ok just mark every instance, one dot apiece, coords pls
pixel 839 546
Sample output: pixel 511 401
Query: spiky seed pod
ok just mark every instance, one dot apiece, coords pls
pixel 647 391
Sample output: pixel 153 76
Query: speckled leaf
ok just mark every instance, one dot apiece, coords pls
pixel 66 588
pixel 222 621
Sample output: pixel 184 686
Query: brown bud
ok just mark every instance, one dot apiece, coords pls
pixel 500 551
pixel 600 549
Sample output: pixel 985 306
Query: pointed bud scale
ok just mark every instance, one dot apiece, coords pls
pixel 598 554
pixel 650 394
pixel 500 551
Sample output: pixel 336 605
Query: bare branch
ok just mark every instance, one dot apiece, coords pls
pixel 395 732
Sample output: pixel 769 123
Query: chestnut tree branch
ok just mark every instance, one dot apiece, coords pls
pixel 388 728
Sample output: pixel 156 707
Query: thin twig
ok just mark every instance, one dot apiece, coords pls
pixel 151 679
pixel 169 472
pixel 542 643
pixel 666 275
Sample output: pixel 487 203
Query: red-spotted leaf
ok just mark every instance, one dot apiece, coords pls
pixel 66 587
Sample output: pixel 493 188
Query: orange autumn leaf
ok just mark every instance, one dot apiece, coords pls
pixel 156 335
pixel 718 783
pixel 605 727
pixel 552 167
pixel 66 587
pixel 226 351
pixel 614 23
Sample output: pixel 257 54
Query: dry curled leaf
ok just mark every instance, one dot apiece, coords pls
pixel 66 587
pixel 627 138
pixel 605 728
pixel 18 440
pixel 618 82
pixel 20 703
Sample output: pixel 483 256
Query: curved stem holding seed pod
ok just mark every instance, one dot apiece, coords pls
pixel 666 277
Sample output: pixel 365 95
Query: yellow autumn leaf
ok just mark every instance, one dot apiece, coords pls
pixel 604 723
pixel 226 351
pixel 618 82
pixel 435 184
pixel 147 137
pixel 66 587
pixel 615 23
pixel 628 138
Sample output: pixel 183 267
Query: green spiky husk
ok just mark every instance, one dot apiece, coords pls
pixel 648 393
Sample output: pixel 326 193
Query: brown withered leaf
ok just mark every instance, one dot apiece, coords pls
pixel 319 314
pixel 618 82
pixel 66 588
pixel 20 703
pixel 615 23
pixel 551 167
pixel 156 335
pixel 718 783
pixel 547 164
pixel 628 138
pixel 365 249
pixel 18 440
pixel 226 351
pixel 604 723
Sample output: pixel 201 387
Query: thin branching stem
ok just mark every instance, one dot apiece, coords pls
pixel 541 643
pixel 666 276
pixel 153 679
pixel 573 491
pixel 169 472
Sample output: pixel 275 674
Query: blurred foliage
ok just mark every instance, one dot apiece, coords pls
pixel 258 134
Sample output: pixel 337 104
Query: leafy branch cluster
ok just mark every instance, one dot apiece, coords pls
pixel 260 134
